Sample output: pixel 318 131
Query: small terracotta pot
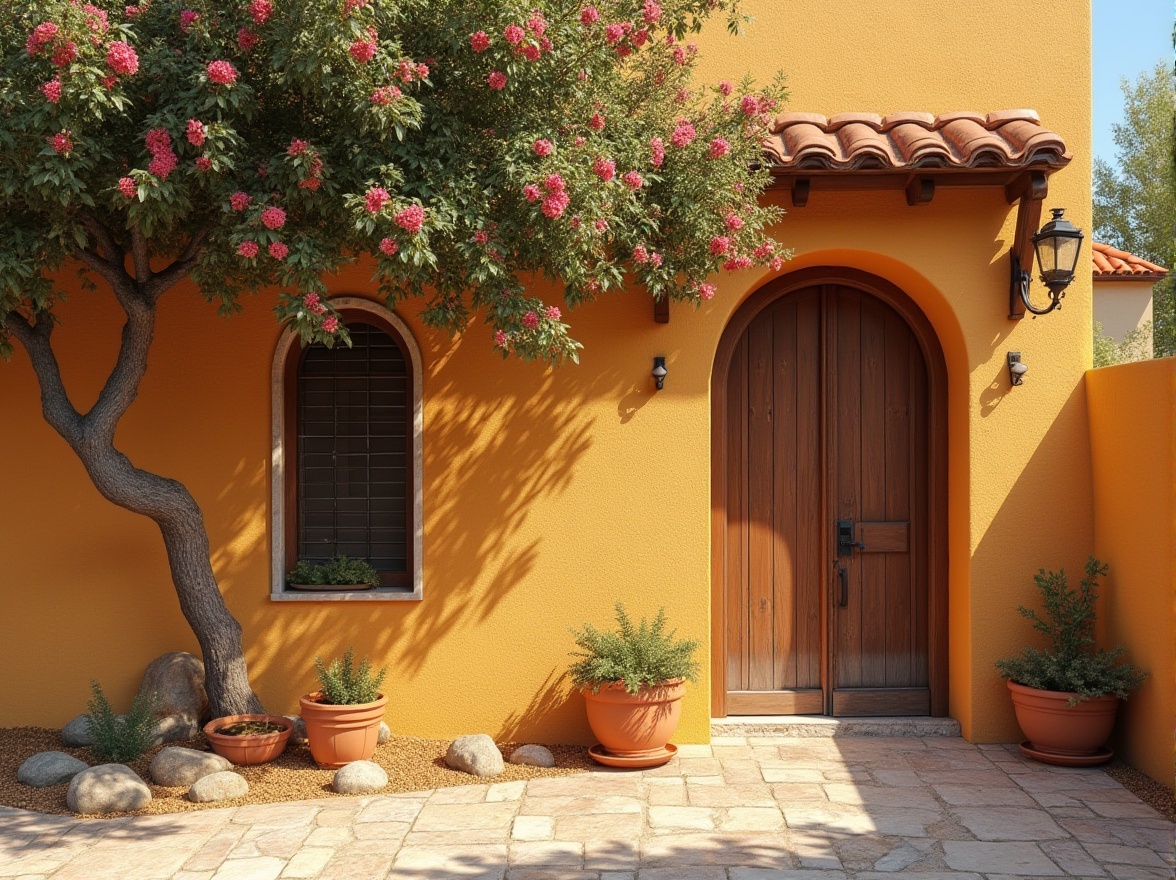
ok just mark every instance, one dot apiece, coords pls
pixel 257 748
pixel 1051 724
pixel 632 725
pixel 338 735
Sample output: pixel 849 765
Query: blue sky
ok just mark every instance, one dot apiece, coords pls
pixel 1130 36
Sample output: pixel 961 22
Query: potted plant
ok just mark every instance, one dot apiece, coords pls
pixel 248 739
pixel 633 681
pixel 343 717
pixel 1066 695
pixel 339 573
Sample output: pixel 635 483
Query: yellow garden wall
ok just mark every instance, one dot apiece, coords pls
pixel 1133 445
pixel 548 495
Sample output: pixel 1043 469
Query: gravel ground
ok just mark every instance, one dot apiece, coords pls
pixel 1155 794
pixel 412 765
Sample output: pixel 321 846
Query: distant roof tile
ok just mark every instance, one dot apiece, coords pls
pixel 1112 264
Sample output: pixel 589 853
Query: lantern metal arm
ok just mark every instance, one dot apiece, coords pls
pixel 1020 284
pixel 1030 190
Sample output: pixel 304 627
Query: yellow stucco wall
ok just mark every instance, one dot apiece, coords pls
pixel 549 495
pixel 1134 457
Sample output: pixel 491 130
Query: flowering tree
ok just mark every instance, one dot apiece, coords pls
pixel 460 146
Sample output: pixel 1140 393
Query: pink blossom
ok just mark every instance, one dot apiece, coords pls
pixel 719 148
pixel 126 186
pixel 537 24
pixel 261 10
pixel 65 54
pixel 640 254
pixel 247 39
pixel 163 164
pixel 121 58
pixel 158 141
pixel 239 201
pixel 532 52
pixel 601 226
pixel 410 219
pixel 765 250
pixel 187 19
pixel 203 163
pixel 362 51
pixel 388 247
pixel 109 81
pixel 41 36
pixel 719 245
pixel 96 18
pixel 640 38
pixel 297 147
pixel 725 88
pixel 682 95
pixel 349 6
pixel 248 249
pixel 530 320
pixel 501 339
pixel 545 44
pixel 596 123
pixel 542 147
pixel 278 251
pixel 273 217
pixel 683 135
pixel 531 192
pixel 406 70
pixel 52 91
pixel 497 80
pixel 61 142
pixel 749 105
pixel 480 41
pixel 555 204
pixel 310 183
pixel 196 132
pixel 605 169
pixel 734 222
pixel 513 34
pixel 311 300
pixel 131 11
pixel 330 324
pixel 652 12
pixel 624 50
pixel 481 237
pixel 554 183
pixel 386 95
pixel 738 186
pixel 736 263
pixel 576 221
pixel 222 73
pixel 706 291
pixel 579 141
pixel 777 264
pixel 656 260
pixel 589 15
pixel 633 180
pixel 613 34
pixel 375 199
pixel 679 55
pixel 657 152
pixel 553 313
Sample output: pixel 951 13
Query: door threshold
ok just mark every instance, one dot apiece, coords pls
pixel 824 726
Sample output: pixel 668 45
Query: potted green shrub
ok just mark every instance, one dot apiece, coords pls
pixel 339 573
pixel 633 680
pixel 1066 695
pixel 343 717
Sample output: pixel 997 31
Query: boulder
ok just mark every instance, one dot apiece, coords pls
pixel 107 788
pixel 49 768
pixel 476 754
pixel 176 728
pixel 533 756
pixel 359 777
pixel 177 681
pixel 298 732
pixel 174 766
pixel 77 732
pixel 385 734
pixel 218 787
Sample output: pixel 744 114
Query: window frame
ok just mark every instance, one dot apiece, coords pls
pixel 284 460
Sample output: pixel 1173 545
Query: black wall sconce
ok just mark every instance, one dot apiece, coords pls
pixel 1057 247
pixel 659 372
pixel 1017 370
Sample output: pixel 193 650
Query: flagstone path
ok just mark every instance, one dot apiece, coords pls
pixel 739 809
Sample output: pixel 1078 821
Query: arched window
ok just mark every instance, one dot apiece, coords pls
pixel 346 457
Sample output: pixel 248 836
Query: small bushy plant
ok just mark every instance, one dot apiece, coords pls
pixel 345 684
pixel 639 655
pixel 124 739
pixel 340 571
pixel 1071 663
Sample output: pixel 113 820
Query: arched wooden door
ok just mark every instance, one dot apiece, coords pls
pixel 829 533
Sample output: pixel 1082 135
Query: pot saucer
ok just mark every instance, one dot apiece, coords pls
pixel 633 762
pixel 1100 756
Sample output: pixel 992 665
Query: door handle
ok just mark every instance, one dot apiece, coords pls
pixel 843 574
pixel 846 543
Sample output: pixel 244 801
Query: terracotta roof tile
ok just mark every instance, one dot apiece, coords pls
pixel 911 140
pixel 1113 264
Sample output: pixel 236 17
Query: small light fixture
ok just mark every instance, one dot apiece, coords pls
pixel 659 372
pixel 1057 245
pixel 1017 370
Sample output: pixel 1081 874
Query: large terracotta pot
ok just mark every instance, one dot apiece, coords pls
pixel 633 725
pixel 1052 725
pixel 250 749
pixel 338 735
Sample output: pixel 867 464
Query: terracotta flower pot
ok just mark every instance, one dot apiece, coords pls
pixel 254 748
pixel 633 725
pixel 338 735
pixel 1052 725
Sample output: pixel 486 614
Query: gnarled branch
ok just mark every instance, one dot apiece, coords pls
pixel 183 264
pixel 56 406
pixel 141 255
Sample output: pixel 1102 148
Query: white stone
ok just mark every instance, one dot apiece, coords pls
pixel 359 777
pixel 174 766
pixel 176 728
pixel 175 681
pixel 298 733
pixel 533 756
pixel 384 735
pixel 476 754
pixel 107 788
pixel 218 787
pixel 49 768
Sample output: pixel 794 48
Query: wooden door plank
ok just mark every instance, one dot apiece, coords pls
pixel 920 436
pixel 784 501
pixel 882 537
pixel 735 577
pixel 760 477
pixel 872 497
pixel 845 433
pixel 796 701
pixel 809 566
pixel 881 701
pixel 900 598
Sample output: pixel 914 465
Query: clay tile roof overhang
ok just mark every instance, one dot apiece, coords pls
pixel 1112 264
pixel 910 150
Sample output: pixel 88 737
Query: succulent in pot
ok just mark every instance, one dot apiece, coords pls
pixel 343 717
pixel 1066 695
pixel 249 739
pixel 633 680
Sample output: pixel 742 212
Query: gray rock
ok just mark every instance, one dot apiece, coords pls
pixel 298 733
pixel 385 733
pixel 176 728
pixel 49 768
pixel 175 766
pixel 533 756
pixel 475 754
pixel 176 680
pixel 218 787
pixel 107 788
pixel 77 732
pixel 359 777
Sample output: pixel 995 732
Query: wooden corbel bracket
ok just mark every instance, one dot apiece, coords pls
pixel 1030 190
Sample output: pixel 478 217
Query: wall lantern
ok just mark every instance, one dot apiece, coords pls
pixel 659 372
pixel 1057 246
pixel 1017 370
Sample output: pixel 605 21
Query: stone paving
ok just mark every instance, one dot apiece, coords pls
pixel 740 809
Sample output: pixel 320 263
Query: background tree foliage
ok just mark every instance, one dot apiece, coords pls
pixel 1135 205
